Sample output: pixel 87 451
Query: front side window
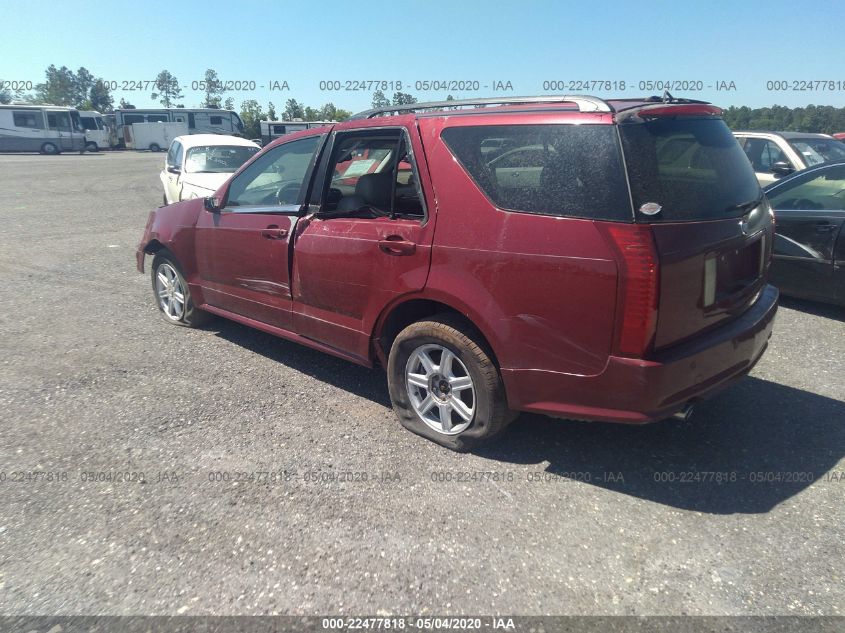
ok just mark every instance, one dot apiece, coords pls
pixel 372 174
pixel 217 159
pixel 763 154
pixel 89 123
pixel 28 119
pixel 562 170
pixel 819 190
pixel 275 178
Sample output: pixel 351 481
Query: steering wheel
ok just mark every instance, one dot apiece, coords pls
pixel 287 194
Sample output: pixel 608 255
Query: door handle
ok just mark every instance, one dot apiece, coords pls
pixel 273 232
pixel 824 227
pixel 396 245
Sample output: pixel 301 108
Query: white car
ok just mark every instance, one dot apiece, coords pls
pixel 777 154
pixel 197 164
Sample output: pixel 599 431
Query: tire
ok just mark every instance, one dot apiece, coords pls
pixel 476 413
pixel 174 312
pixel 154 147
pixel 92 147
pixel 50 149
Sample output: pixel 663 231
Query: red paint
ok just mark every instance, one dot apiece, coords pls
pixel 587 319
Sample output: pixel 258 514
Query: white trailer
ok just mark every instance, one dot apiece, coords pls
pixel 152 136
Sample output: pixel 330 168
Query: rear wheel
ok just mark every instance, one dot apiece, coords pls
pixel 172 294
pixel 155 147
pixel 92 147
pixel 51 149
pixel 445 386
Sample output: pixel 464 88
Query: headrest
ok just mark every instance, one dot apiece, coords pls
pixel 375 189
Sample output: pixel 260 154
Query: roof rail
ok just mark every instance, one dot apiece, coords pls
pixel 584 103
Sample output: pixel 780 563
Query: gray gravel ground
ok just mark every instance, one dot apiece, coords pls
pixel 579 521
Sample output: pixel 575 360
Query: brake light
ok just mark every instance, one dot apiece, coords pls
pixel 689 109
pixel 637 296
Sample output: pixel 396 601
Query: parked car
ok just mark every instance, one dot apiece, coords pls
pixel 197 164
pixel 840 136
pixel 615 284
pixel 809 256
pixel 774 155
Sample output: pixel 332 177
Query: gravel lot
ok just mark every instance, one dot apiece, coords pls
pixel 574 518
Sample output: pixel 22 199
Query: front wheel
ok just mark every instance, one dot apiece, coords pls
pixel 445 386
pixel 172 294
pixel 92 147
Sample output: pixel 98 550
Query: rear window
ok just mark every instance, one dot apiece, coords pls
pixel 694 169
pixel 561 170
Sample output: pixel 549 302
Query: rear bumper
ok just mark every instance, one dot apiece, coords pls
pixel 638 391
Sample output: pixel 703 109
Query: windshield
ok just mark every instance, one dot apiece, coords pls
pixel 692 169
pixel 217 159
pixel 818 150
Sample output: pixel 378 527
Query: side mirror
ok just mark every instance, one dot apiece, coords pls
pixel 173 169
pixel 211 204
pixel 782 168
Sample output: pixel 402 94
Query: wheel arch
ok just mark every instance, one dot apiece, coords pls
pixel 397 316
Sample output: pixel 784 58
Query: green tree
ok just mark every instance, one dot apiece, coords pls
pixel 59 87
pixel 168 90
pixel 5 94
pixel 83 82
pixel 403 98
pixel 379 100
pixel 341 114
pixel 252 115
pixel 293 110
pixel 213 90
pixel 99 97
pixel 229 104
pixel 271 112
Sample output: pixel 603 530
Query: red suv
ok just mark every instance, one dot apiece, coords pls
pixel 581 258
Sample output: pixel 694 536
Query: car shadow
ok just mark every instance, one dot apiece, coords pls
pixel 816 308
pixel 746 450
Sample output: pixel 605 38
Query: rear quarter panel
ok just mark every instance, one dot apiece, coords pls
pixel 542 289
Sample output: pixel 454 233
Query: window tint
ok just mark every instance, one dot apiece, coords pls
pixel 278 129
pixel 763 154
pixel 216 120
pixel 28 119
pixel 171 154
pixel 373 174
pixel 180 153
pixel 276 177
pixel 88 123
pixel 129 119
pixel 563 170
pixel 192 121
pixel 693 168
pixel 823 189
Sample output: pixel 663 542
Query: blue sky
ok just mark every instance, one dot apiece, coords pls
pixel 523 42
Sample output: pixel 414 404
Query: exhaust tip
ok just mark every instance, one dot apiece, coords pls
pixel 684 414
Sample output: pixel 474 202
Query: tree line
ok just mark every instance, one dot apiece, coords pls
pixel 85 91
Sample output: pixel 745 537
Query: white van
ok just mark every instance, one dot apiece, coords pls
pixel 96 130
pixel 41 128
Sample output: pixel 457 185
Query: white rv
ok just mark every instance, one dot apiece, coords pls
pixel 40 128
pixel 271 130
pixel 96 130
pixel 198 120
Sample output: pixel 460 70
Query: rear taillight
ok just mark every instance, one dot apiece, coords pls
pixel 638 278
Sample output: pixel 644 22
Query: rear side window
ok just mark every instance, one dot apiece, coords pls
pixel 216 120
pixel 561 170
pixel 693 169
pixel 28 119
